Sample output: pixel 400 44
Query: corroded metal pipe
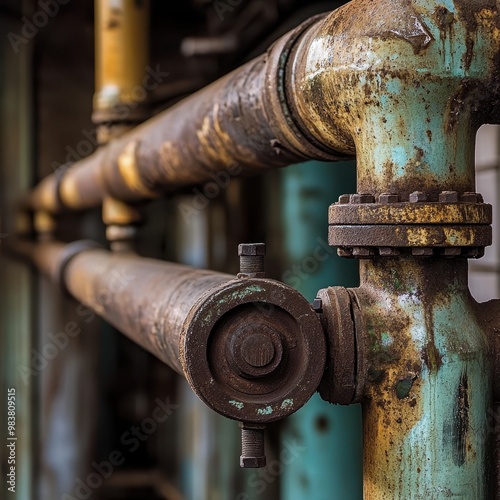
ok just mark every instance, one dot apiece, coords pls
pixel 241 123
pixel 404 85
pixel 337 85
pixel 252 349
pixel 428 381
pixel 121 39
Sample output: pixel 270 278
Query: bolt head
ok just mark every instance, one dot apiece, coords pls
pixel 344 252
pixel 389 252
pixel 252 462
pixel 344 199
pixel 386 198
pixel 452 252
pixel 422 252
pixel 258 350
pixel 251 249
pixel 418 197
pixel 317 305
pixel 362 198
pixel 255 351
pixel 471 198
pixel 363 252
pixel 448 197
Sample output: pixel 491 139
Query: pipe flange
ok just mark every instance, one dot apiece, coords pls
pixel 253 350
pixel 449 224
pixel 291 136
pixel 339 383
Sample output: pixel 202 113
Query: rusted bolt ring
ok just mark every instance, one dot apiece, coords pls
pixel 372 252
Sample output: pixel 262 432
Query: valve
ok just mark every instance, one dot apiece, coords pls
pixel 253 350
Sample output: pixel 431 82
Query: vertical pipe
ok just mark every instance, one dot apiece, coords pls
pixel 121 58
pixel 429 381
pixel 121 39
pixel 321 443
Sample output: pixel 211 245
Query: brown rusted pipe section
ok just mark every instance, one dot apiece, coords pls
pixel 239 124
pixel 354 81
pixel 147 300
pixel 252 349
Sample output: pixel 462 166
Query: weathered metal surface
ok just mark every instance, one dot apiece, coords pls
pixel 252 349
pixel 409 83
pixel 410 236
pixel 410 213
pixel 121 39
pixel 145 299
pixel 249 308
pixel 428 381
pixel 237 125
pixel 339 383
pixel 452 225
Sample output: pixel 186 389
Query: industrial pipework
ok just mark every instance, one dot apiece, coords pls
pixel 404 86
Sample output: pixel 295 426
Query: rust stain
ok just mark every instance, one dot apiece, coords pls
pixel 455 432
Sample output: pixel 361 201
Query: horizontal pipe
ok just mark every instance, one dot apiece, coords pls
pixel 145 299
pixel 329 89
pixel 252 349
pixel 239 124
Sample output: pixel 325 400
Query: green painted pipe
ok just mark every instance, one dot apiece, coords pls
pixel 321 443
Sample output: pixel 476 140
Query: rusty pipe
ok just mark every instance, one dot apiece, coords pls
pixel 252 349
pixel 239 124
pixel 406 86
pixel 121 40
pixel 338 84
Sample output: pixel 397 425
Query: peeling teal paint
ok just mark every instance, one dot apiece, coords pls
pixel 386 339
pixel 286 403
pixel 268 410
pixel 238 404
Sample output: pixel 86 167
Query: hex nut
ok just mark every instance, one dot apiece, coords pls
pixel 471 198
pixel 449 197
pixel 418 196
pixel 359 198
pixel 386 198
pixel 251 249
